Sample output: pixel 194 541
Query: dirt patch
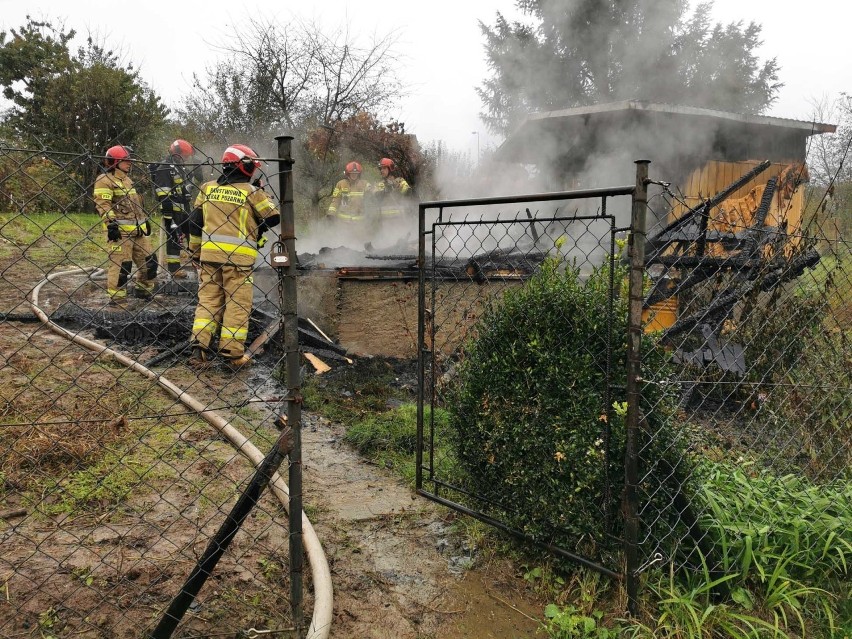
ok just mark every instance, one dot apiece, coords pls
pixel 104 558
pixel 397 567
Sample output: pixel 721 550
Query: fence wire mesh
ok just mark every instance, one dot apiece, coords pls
pixel 749 297
pixel 110 486
pixel 500 345
pixel 745 428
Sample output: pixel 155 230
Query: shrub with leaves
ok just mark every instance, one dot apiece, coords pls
pixel 530 421
pixel 571 623
pixel 35 185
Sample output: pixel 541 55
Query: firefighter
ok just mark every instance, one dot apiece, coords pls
pixel 227 223
pixel 172 182
pixel 390 191
pixel 347 199
pixel 127 227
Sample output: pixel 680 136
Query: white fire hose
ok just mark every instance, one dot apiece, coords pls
pixel 323 592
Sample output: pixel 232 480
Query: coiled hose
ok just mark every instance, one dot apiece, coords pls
pixel 321 574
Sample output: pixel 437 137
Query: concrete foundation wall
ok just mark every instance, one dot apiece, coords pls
pixel 378 316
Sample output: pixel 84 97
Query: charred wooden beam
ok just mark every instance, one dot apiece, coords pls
pixel 502 264
pixel 698 215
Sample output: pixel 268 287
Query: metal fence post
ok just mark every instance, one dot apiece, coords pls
pixel 636 252
pixel 421 341
pixel 287 290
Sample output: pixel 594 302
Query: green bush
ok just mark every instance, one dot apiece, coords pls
pixel 36 185
pixel 529 420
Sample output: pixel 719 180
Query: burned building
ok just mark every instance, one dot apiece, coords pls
pixel 596 145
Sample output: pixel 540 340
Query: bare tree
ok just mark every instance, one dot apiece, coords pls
pixel 828 154
pixel 292 76
pixel 297 78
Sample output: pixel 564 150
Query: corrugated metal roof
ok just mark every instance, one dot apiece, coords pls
pixel 642 105
pixel 579 131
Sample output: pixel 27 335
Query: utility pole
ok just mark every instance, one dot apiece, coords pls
pixel 476 133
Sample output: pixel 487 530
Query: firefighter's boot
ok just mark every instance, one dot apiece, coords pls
pixel 199 358
pixel 142 293
pixel 237 364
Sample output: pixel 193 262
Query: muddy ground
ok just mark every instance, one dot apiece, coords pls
pixel 108 566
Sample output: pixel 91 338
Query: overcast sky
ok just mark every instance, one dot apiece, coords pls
pixel 439 45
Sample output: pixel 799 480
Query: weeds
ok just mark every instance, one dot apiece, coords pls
pixel 48 621
pixel 356 392
pixel 390 438
pixel 570 623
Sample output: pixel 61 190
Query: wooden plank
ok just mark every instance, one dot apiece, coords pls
pixel 319 366
pixel 270 331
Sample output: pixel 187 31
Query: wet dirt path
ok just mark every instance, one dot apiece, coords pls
pixel 397 568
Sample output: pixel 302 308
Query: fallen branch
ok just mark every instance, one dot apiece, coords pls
pixel 506 603
pixel 12 514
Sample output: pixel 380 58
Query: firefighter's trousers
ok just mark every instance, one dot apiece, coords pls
pixel 132 248
pixel 224 305
pixel 175 232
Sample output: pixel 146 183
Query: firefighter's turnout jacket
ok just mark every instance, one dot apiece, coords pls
pixel 172 185
pixel 229 217
pixel 347 200
pixel 118 202
pixel 390 193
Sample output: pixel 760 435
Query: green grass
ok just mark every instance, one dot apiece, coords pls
pixel 130 467
pixel 355 392
pixel 51 239
pixel 389 439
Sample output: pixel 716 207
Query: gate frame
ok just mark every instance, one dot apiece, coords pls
pixel 638 193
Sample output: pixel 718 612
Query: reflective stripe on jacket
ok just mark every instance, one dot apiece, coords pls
pixel 347 199
pixel 172 183
pixel 116 200
pixel 231 214
pixel 391 194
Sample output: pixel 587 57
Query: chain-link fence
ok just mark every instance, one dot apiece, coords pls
pixel 121 457
pixel 122 471
pixel 732 431
pixel 747 292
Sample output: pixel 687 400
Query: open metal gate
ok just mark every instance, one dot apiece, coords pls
pixel 471 253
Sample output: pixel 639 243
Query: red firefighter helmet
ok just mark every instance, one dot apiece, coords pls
pixel 352 167
pixel 243 157
pixel 386 163
pixel 182 148
pixel 116 154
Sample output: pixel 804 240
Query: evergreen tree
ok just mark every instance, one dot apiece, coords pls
pixel 582 52
pixel 77 102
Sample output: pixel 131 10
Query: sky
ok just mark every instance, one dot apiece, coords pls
pixel 439 45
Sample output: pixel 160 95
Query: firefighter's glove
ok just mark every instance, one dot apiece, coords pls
pixel 146 228
pixel 261 229
pixel 113 232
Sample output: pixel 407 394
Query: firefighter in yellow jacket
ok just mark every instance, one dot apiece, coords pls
pixel 391 191
pixel 127 226
pixel 347 198
pixel 229 218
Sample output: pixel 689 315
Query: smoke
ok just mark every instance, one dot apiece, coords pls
pixel 591 52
